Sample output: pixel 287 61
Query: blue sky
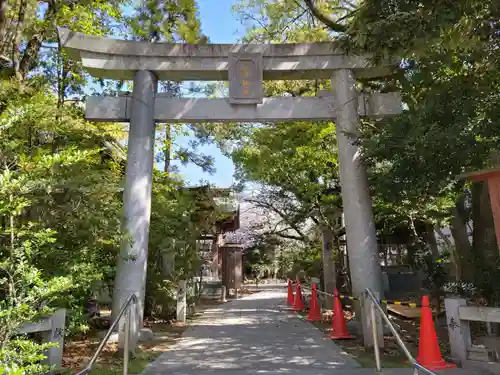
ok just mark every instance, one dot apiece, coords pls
pixel 220 24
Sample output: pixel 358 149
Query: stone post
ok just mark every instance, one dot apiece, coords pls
pixel 362 247
pixel 215 256
pixel 181 301
pixel 223 294
pixel 55 335
pixel 51 329
pixel 458 330
pixel 132 260
pixel 367 322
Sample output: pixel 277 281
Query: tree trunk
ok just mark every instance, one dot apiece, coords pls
pixel 168 257
pixel 167 148
pixel 484 238
pixel 344 281
pixel 6 31
pixel 328 257
pixel 18 34
pixel 463 250
pixel 453 253
pixel 430 238
pixel 4 5
pixel 30 58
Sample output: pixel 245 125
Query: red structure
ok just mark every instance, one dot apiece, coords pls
pixel 492 178
pixel 232 267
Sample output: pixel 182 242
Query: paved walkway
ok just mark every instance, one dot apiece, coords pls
pixel 255 335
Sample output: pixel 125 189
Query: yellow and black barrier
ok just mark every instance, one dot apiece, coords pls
pixel 351 298
pixel 400 303
pixel 382 302
pixel 385 301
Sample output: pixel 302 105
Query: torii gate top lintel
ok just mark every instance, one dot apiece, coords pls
pixel 120 59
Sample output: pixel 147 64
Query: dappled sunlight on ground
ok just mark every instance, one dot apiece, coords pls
pixel 257 334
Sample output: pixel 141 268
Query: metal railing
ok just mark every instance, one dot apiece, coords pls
pixel 126 308
pixel 375 305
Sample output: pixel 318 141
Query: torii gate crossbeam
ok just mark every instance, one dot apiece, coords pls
pixel 183 110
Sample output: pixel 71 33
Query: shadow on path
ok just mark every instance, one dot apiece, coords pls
pixel 256 334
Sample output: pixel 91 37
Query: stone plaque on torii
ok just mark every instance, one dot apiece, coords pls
pixel 145 63
pixel 245 78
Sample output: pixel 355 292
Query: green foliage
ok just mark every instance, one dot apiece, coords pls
pixel 285 21
pixel 450 126
pixel 60 195
pixel 59 171
pixel 25 295
pixel 176 225
pixel 262 256
pixel 22 357
pixel 296 167
pixel 390 27
pixel 166 20
pixel 307 262
pixel 294 164
pixel 59 209
pixel 60 176
pixel 449 86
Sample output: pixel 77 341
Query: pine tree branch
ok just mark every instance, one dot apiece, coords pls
pixel 335 26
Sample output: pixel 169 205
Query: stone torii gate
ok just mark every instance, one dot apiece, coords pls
pixel 245 66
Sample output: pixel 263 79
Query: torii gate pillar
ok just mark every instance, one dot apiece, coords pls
pixel 131 273
pixel 364 262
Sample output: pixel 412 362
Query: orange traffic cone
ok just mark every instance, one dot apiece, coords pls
pixel 429 354
pixel 339 329
pixel 314 309
pixel 298 305
pixel 290 298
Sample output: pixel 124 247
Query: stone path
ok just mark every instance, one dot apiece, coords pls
pixel 256 335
